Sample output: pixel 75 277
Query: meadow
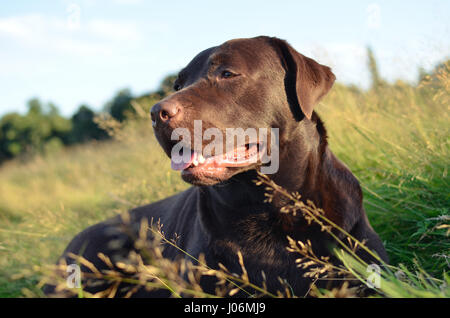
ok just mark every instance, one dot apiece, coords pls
pixel 394 138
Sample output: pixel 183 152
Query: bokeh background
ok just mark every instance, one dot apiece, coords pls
pixel 78 78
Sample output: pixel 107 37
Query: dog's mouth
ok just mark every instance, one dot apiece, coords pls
pixel 241 156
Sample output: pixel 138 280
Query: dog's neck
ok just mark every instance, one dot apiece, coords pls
pixel 302 152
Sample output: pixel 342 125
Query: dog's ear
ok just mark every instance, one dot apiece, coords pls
pixel 306 80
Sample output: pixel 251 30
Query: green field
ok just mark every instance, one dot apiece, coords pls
pixel 394 138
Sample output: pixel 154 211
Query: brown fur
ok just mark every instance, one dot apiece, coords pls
pixel 276 87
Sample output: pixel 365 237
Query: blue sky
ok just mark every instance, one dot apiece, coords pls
pixel 83 51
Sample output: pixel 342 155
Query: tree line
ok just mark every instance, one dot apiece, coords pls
pixel 43 129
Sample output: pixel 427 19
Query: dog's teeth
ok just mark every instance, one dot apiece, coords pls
pixel 195 162
pixel 201 159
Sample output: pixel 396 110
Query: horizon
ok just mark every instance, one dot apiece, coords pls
pixel 82 52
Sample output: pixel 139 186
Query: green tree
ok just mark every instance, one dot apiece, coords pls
pixel 166 86
pixel 120 106
pixel 164 89
pixel 43 129
pixel 84 128
pixel 29 133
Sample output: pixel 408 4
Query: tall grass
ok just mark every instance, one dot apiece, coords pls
pixel 394 139
pixel 46 201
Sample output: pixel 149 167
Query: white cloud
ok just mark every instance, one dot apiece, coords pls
pixel 112 30
pixel 91 37
pixel 22 27
pixel 127 2
pixel 348 60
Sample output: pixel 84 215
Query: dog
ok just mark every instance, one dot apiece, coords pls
pixel 260 82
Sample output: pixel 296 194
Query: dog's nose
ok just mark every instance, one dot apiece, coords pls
pixel 164 111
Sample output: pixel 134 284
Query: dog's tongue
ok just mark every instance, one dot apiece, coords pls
pixel 238 157
pixel 183 165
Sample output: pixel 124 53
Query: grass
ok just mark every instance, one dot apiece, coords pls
pixel 45 202
pixel 397 145
pixel 395 140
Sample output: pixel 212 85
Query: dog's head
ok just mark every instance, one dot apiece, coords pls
pixel 250 85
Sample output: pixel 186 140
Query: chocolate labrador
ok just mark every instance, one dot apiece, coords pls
pixel 260 82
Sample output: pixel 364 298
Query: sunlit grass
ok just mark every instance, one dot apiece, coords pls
pixel 397 144
pixel 45 202
pixel 395 140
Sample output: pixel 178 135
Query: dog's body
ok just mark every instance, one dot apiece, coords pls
pixel 259 82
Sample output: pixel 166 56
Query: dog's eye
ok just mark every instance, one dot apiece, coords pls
pixel 226 74
pixel 176 87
